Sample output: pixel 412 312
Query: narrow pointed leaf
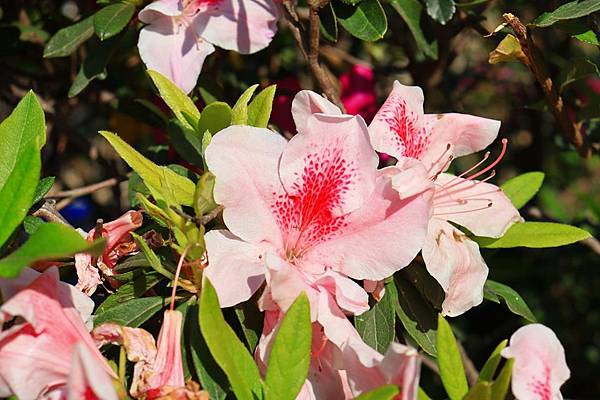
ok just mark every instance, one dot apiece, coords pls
pixel 535 235
pixel 176 99
pixel 481 391
pixel 502 383
pixel 112 19
pixel 132 313
pixel 489 368
pixel 522 188
pixel 572 10
pixel 239 112
pixel 67 40
pixel 259 109
pixel 377 326
pixel 387 392
pixel 449 360
pixel 366 21
pixel 42 188
pixel 515 303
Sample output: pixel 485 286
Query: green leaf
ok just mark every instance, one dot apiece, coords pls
pixel 416 315
pixel 572 10
pixel 329 25
pixel 50 242
pixel 151 257
pixel 386 392
pixel 94 66
pixel 481 391
pixel 68 39
pixel 410 11
pixel 366 21
pixel 204 201
pixel 174 188
pixel 239 112
pixel 251 321
pixel 209 374
pixel 588 37
pixel 377 326
pixel 176 99
pixel 579 68
pixel 132 313
pixel 42 188
pixel 226 348
pixel 130 290
pixel 215 117
pixel 513 300
pixel 501 384
pixel 421 395
pixel 112 19
pixel 522 188
pixel 290 355
pixel 32 224
pixel 535 235
pixel 489 368
pixel 452 371
pixel 259 109
pixel 440 10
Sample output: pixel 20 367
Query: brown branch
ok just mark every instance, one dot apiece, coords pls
pixel 49 213
pixel 308 43
pixel 571 130
pixel 85 190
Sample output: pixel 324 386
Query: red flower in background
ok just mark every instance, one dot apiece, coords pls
pixel 358 92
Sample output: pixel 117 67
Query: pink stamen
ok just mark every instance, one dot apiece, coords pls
pixel 496 161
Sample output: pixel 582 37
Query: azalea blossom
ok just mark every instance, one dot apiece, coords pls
pixel 118 244
pixel 158 372
pixel 181 33
pixel 540 367
pixel 357 91
pixel 48 352
pixel 424 145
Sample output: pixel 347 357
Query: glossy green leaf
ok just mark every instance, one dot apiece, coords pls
pixel 112 19
pixel 174 188
pixel 489 368
pixel 377 326
pixel 151 257
pixel 481 391
pixel 31 224
pixel 239 112
pixel 440 10
pixel 227 350
pixel 410 11
pixel 449 360
pixel 416 315
pixel 502 382
pixel 366 21
pixel 259 109
pixel 572 10
pixel 94 66
pixel 182 106
pixel 68 39
pixel 42 188
pixel 515 303
pixel 579 68
pixel 522 188
pixel 215 117
pixel 289 358
pixel 535 235
pixel 132 313
pixel 130 290
pixel 329 25
pixel 386 392
pixel 51 241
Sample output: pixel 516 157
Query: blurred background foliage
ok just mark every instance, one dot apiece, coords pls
pixel 112 91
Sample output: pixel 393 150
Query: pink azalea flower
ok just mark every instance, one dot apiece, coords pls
pixel 48 352
pixel 540 367
pixel 181 33
pixel 119 244
pixel 424 145
pixel 358 92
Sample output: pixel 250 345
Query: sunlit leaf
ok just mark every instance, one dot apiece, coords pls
pixel 259 109
pixel 522 188
pixel 387 392
pixel 449 360
pixel 481 391
pixel 366 21
pixel 239 112
pixel 215 117
pixel 535 235
pixel 182 106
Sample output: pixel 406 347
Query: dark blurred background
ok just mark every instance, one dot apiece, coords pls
pixel 562 286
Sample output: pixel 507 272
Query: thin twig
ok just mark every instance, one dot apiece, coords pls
pixel 48 212
pixel 571 130
pixel 470 370
pixel 85 190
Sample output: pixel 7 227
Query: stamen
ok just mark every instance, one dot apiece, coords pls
pixel 496 161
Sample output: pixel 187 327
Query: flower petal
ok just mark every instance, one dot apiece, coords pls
pixel 399 128
pixel 245 26
pixel 380 238
pixel 173 50
pixel 236 268
pixel 244 160
pixel 455 262
pixel 540 367
pixel 348 294
pixel 167 367
pixel 306 103
pixel 88 378
pixel 159 8
pixel 480 207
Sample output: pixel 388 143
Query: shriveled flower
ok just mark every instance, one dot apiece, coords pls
pixel 118 244
pixel 424 145
pixel 48 352
pixel 540 367
pixel 181 33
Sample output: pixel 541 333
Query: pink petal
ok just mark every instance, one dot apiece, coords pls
pixel 466 134
pixel 159 8
pixel 480 207
pixel 409 177
pixel 88 276
pixel 378 239
pixel 235 268
pixel 306 103
pixel 244 161
pixel 455 262
pixel 87 379
pixel 330 166
pixel 245 26
pixel 174 50
pixel 348 294
pixel 540 367
pixel 168 365
pixel 399 128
